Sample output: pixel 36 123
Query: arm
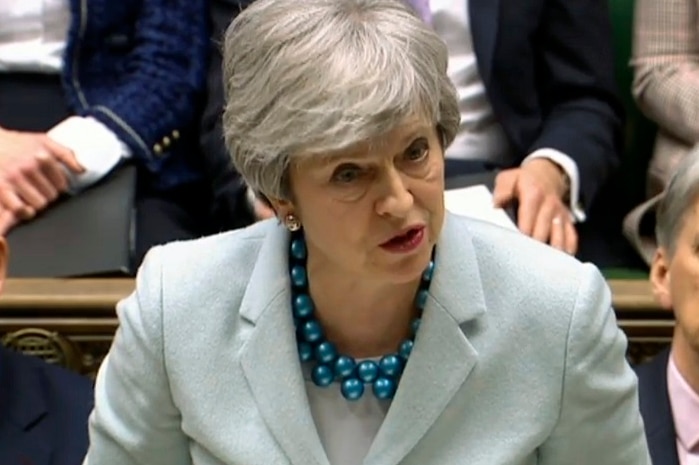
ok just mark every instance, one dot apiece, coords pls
pixel 599 421
pixel 135 420
pixel 583 118
pixel 666 65
pixel 231 207
pixel 157 98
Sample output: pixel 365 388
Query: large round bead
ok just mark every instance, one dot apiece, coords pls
pixel 367 371
pixel 352 389
pixel 326 352
pixel 344 366
pixel 384 388
pixel 322 375
pixel 305 351
pixel 311 331
pixel 298 276
pixel 427 274
pixel 298 249
pixel 406 348
pixel 391 365
pixel 303 306
pixel 421 298
pixel 415 325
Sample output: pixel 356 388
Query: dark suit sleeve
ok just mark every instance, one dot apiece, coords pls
pixel 230 208
pixel 165 75
pixel 583 117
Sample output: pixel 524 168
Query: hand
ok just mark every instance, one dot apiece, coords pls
pixel 32 172
pixel 7 221
pixel 540 187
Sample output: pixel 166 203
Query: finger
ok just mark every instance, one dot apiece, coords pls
pixel 43 185
pixel 571 240
pixel 7 221
pixel 544 221
pixel 11 201
pixel 530 202
pixel 65 155
pixel 504 190
pixel 29 194
pixel 557 237
pixel 54 172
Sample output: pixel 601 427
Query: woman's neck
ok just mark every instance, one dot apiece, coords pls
pixel 362 318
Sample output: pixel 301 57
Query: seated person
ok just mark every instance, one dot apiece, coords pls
pixel 669 385
pixel 85 85
pixel 542 105
pixel 44 407
pixel 366 324
pixel 666 89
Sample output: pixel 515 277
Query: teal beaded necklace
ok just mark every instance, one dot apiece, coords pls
pixel 328 364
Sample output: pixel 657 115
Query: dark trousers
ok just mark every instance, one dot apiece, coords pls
pixel 35 102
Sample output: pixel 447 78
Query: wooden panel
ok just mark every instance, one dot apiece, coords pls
pixel 65 294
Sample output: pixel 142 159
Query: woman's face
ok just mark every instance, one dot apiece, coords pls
pixel 375 209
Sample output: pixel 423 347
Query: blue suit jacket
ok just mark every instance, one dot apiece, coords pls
pixel 548 70
pixel 656 410
pixel 139 67
pixel 518 361
pixel 43 412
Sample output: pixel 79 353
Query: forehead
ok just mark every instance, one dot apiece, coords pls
pixel 387 144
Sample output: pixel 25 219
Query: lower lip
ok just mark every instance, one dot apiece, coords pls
pixel 407 245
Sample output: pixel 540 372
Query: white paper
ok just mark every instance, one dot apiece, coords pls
pixel 477 202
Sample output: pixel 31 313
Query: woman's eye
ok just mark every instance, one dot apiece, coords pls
pixel 346 174
pixel 418 151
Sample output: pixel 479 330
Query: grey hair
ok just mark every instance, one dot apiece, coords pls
pixel 678 200
pixel 317 76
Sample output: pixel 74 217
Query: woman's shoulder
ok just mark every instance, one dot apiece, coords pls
pixel 231 248
pixel 513 263
pixel 187 270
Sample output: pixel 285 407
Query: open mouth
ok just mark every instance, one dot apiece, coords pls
pixel 405 242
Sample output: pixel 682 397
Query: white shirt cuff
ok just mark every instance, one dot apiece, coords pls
pixel 571 169
pixel 95 146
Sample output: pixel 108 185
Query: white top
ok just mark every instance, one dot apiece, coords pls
pixel 346 428
pixel 480 134
pixel 33 39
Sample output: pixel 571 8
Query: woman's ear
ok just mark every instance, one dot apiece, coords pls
pixel 660 278
pixel 281 207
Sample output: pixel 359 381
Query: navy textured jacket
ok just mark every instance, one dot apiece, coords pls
pixel 43 412
pixel 139 67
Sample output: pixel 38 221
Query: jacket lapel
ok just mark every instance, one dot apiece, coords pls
pixel 442 357
pixel 657 412
pixel 270 359
pixel 23 438
pixel 483 18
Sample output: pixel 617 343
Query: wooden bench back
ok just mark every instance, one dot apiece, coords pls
pixel 72 321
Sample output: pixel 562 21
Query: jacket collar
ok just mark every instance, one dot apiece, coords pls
pixel 656 410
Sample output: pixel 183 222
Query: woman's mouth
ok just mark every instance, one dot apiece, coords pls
pixel 406 241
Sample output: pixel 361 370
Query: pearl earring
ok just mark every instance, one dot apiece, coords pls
pixel 292 222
